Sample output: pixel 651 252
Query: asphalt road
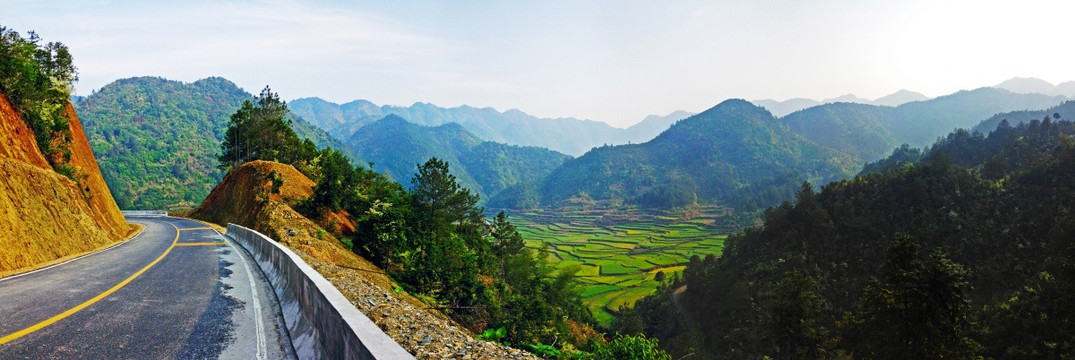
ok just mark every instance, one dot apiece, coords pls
pixel 178 290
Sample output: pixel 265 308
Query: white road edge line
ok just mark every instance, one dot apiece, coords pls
pixel 116 245
pixel 254 295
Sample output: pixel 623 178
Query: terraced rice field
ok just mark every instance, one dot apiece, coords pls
pixel 619 258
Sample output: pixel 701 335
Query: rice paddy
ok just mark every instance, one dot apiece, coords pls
pixel 619 252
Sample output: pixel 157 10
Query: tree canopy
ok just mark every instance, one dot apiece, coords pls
pixel 261 130
pixel 38 78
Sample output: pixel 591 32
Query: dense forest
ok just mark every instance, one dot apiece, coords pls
pixel 156 140
pixel 435 240
pixel 958 251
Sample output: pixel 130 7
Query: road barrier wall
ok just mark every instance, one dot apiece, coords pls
pixel 144 213
pixel 321 322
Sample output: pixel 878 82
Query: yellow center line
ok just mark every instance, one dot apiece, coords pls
pixel 219 243
pixel 72 311
pixel 197 228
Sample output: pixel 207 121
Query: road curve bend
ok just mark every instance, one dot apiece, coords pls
pixel 177 290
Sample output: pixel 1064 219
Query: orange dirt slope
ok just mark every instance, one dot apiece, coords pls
pixel 18 141
pixel 45 216
pixel 246 197
pixel 104 207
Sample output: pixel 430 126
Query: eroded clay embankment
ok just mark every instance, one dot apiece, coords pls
pixel 45 216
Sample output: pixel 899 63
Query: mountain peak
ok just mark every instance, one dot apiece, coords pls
pixel 847 98
pixel 392 119
pixel 1030 85
pixel 900 97
pixel 739 106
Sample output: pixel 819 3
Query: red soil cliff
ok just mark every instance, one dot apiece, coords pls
pixel 44 216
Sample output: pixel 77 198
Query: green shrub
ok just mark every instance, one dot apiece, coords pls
pixel 630 347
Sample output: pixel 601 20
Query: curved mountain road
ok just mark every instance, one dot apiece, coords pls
pixel 176 290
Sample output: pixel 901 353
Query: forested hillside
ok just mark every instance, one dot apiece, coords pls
pixel 157 140
pixel 869 132
pixel 1024 116
pixel 395 147
pixel 963 251
pixel 734 153
pixel 567 135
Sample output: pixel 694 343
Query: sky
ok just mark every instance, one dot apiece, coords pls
pixel 614 61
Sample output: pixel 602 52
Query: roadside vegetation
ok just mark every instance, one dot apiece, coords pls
pixel 38 78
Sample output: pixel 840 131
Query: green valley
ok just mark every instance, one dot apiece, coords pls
pixel 619 253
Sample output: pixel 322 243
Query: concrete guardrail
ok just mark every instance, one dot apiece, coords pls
pixel 144 213
pixel 321 322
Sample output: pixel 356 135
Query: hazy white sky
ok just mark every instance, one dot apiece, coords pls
pixel 613 61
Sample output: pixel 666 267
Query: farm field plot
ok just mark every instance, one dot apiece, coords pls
pixel 619 258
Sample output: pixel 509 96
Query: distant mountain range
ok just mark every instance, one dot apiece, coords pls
pixel 871 132
pixel 567 135
pixel 156 141
pixel 1038 86
pixel 1016 85
pixel 739 154
pixel 782 108
pixel 717 156
pixel 396 147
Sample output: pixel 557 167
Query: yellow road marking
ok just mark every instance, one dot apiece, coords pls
pixel 72 311
pixel 197 228
pixel 219 243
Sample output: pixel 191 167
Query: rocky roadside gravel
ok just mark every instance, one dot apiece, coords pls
pixel 423 333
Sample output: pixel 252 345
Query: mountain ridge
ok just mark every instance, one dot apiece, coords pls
pixel 396 146
pixel 707 157
pixel 514 127
pixel 783 108
pixel 1032 85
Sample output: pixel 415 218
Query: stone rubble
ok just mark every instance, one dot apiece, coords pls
pixel 423 333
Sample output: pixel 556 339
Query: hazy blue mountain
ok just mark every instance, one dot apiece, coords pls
pixel 396 147
pixel 156 140
pixel 652 125
pixel 328 114
pixel 870 132
pixel 567 135
pixel 717 156
pixel 846 98
pixel 920 123
pixel 899 98
pixel 1021 85
pixel 1067 89
pixel 782 108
